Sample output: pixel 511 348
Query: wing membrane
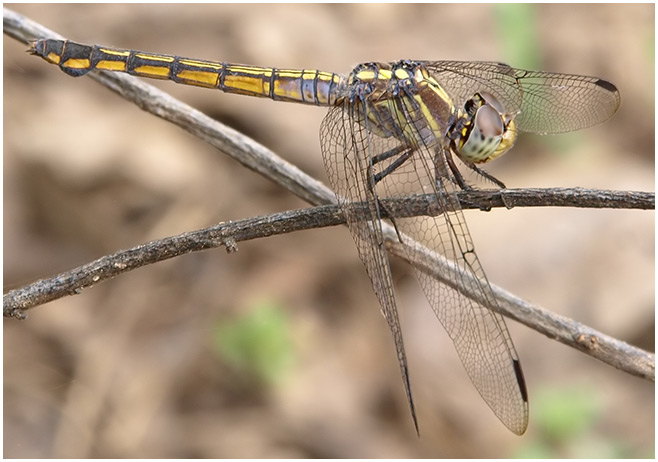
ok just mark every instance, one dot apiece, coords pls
pixel 547 102
pixel 480 335
pixel 353 156
pixel 347 153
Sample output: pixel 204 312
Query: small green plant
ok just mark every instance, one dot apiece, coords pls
pixel 565 421
pixel 517 30
pixel 257 344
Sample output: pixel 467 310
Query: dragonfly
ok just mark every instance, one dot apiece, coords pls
pixel 397 129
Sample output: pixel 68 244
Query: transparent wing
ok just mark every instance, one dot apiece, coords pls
pixel 480 335
pixel 346 152
pixel 354 156
pixel 547 102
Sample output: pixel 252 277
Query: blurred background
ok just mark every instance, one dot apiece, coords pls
pixel 279 349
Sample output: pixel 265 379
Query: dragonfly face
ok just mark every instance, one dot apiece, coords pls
pixel 487 130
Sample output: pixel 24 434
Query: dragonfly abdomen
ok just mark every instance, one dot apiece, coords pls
pixel 305 86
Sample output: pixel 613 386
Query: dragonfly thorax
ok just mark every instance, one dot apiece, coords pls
pixel 485 130
pixel 401 100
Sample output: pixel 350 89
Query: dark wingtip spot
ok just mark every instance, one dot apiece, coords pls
pixel 606 85
pixel 520 380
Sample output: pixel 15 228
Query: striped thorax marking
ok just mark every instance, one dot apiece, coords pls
pixel 405 101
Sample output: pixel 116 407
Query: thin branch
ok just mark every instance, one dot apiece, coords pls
pixel 265 162
pixel 227 234
pixel 611 351
pixel 607 349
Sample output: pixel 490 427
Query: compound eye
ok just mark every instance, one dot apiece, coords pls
pixel 489 121
pixel 492 101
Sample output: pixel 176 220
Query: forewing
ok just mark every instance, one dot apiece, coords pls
pixel 546 102
pixel 347 151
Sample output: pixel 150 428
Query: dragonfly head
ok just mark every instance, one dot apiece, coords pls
pixel 487 130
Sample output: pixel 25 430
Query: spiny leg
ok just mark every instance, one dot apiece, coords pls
pixel 404 153
pixel 458 177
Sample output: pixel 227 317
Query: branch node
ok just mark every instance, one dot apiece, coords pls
pixel 587 342
pixel 230 244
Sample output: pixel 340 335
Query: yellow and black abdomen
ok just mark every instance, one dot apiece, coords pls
pixel 302 86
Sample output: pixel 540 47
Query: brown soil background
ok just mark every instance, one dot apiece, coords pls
pixel 127 368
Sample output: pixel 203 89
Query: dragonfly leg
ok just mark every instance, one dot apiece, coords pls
pixel 404 153
pixel 395 226
pixel 388 154
pixel 458 177
pixel 456 174
pixel 488 176
pixel 393 166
